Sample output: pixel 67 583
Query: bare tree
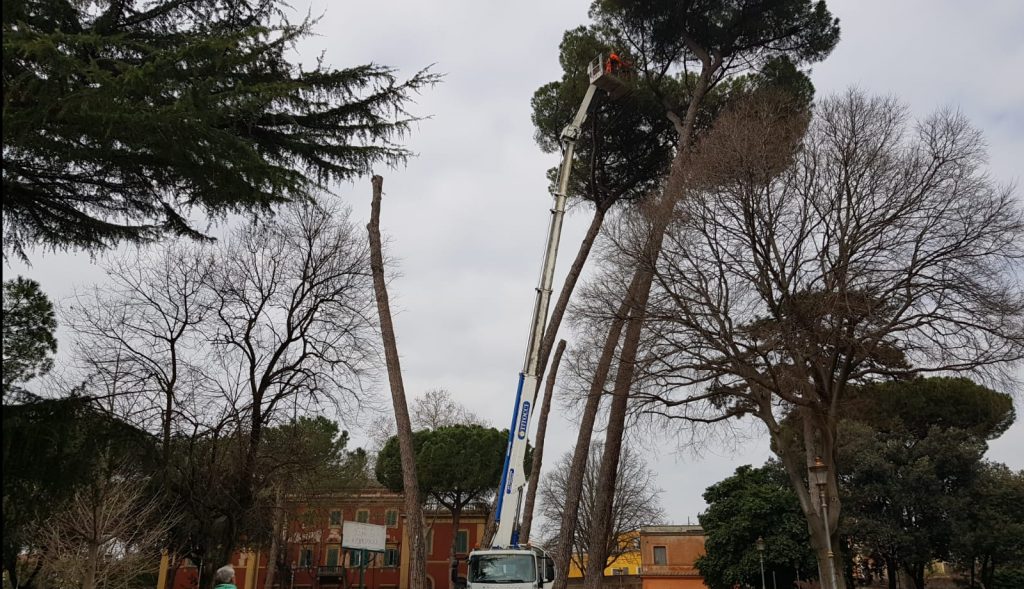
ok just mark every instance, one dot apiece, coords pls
pixel 293 308
pixel 142 334
pixel 636 504
pixel 227 340
pixel 704 45
pixel 883 251
pixel 108 535
pixel 436 408
pixel 413 509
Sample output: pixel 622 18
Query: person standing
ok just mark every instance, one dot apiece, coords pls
pixel 224 578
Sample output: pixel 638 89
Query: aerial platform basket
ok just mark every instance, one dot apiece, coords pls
pixel 609 77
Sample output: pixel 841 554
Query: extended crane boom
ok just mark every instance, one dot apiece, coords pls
pixel 506 563
pixel 513 477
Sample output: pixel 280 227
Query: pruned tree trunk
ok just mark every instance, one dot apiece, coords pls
pixel 538 448
pixel 413 509
pixel 550 333
pixel 491 527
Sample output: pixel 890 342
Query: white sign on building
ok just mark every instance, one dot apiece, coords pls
pixel 363 536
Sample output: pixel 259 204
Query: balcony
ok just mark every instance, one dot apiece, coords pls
pixel 330 571
pixel 669 570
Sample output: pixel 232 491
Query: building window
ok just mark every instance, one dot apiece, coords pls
pixel 363 516
pixel 392 518
pixel 355 558
pixel 333 553
pixel 660 555
pixel 306 556
pixel 391 557
pixel 308 518
pixel 462 542
pixel 335 518
pixel 430 543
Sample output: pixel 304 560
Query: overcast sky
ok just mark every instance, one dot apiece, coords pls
pixel 466 219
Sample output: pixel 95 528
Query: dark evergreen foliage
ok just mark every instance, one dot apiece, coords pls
pixel 51 449
pixel 121 119
pixel 753 503
pixel 912 475
pixel 28 339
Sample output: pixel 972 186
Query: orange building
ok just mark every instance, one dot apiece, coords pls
pixel 312 556
pixel 668 554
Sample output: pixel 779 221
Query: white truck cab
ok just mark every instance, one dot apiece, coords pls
pixel 516 568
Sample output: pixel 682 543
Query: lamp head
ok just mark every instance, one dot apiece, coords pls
pixel 818 472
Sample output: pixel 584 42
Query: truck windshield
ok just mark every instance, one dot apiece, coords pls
pixel 502 568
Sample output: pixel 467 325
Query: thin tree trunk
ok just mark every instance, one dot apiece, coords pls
pixel 456 517
pixel 597 552
pixel 93 555
pixel 578 469
pixel 279 520
pixel 491 527
pixel 538 448
pixel 11 568
pixel 569 285
pixel 891 571
pixel 988 571
pixel 550 333
pixel 413 509
pixel 660 216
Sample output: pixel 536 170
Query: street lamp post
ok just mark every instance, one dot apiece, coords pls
pixel 760 552
pixel 819 476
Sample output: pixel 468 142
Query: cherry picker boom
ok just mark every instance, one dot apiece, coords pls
pixel 506 564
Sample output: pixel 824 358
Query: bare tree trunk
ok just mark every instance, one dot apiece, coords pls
pixel 538 448
pixel 89 581
pixel 562 304
pixel 574 482
pixel 816 444
pixel 659 216
pixel 413 509
pixel 550 333
pixel 491 526
pixel 279 521
pixel 456 518
pixel 597 552
pixel 892 571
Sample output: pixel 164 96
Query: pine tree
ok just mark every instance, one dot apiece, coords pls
pixel 124 117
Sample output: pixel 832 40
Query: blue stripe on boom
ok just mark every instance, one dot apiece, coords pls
pixel 508 450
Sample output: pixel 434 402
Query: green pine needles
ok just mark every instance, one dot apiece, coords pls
pixel 122 118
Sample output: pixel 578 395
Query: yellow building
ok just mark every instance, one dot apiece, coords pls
pixel 628 563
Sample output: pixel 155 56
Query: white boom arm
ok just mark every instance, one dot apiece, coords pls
pixel 513 477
